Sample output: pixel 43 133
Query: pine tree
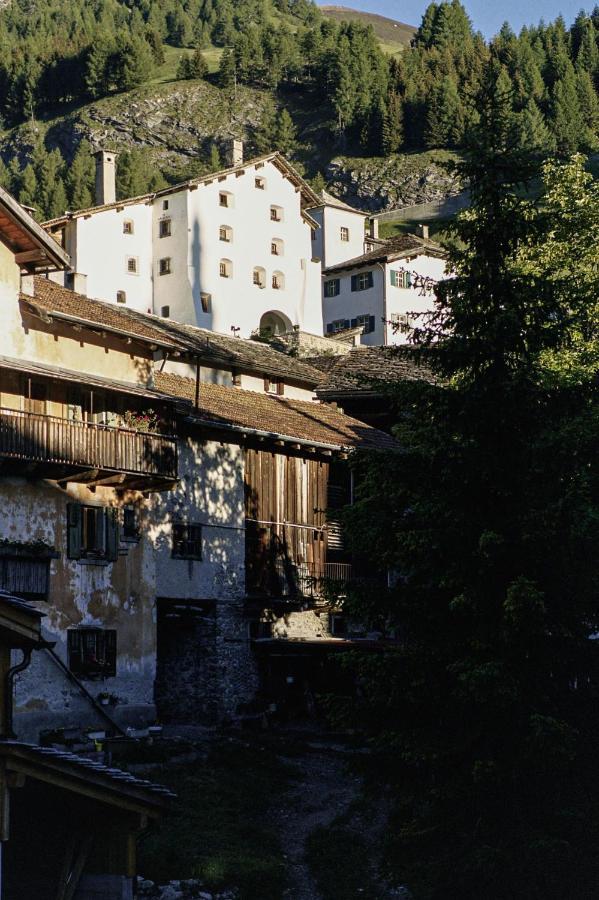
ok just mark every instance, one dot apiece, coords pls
pixel 264 135
pixel 534 133
pixel 215 162
pixel 285 134
pixel 57 199
pixel 28 187
pixel 131 174
pixel 589 108
pixel 198 67
pixel 445 119
pixel 566 117
pixel 227 73
pixel 80 178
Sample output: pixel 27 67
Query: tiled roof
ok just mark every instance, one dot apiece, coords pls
pixel 329 200
pixel 53 298
pixel 221 349
pixel 394 248
pixel 299 420
pixel 9 599
pixel 309 197
pixel 368 369
pixel 80 767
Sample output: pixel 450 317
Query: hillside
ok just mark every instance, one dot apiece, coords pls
pixel 393 36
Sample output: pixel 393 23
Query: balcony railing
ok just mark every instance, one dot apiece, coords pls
pixel 49 440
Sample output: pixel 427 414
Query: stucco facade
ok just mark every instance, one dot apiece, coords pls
pixel 382 298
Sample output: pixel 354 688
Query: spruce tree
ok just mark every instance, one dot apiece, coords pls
pixel 534 133
pixel 566 117
pixel 215 163
pixel 285 134
pixel 80 178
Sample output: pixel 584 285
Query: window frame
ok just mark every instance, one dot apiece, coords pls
pixel 336 283
pixel 225 268
pixel 121 296
pixel 225 234
pixel 186 541
pixel 277 281
pixel 344 234
pixel 259 277
pixel 128 226
pixel 80 532
pixel 101 645
pixel 135 269
pixel 164 266
pixel 260 183
pixel 165 227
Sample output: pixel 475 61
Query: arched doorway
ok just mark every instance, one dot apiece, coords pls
pixel 274 322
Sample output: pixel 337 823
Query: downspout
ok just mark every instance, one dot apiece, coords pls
pixel 197 402
pixel 385 325
pixel 8 686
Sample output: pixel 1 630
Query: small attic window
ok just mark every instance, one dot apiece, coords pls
pixel 260 183
pixel 165 312
pixel 276 214
pixel 225 268
pixel 128 227
pixel 225 199
pixel 121 296
pixel 165 266
pixel 132 265
pixel 165 204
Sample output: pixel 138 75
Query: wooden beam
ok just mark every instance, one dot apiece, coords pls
pixel 30 256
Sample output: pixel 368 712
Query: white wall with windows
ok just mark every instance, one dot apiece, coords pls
pixel 368 294
pixel 340 236
pixel 113 248
pixel 242 243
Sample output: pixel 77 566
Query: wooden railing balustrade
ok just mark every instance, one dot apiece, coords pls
pixel 32 437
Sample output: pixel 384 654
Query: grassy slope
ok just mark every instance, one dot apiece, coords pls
pixel 393 36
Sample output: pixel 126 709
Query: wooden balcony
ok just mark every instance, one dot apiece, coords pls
pixel 47 446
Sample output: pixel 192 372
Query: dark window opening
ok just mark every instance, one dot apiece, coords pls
pixel 187 541
pixel 92 652
pixel 131 528
pixel 92 532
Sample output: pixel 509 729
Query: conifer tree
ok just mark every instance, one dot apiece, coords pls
pixel 215 162
pixel 227 73
pixel 80 178
pixel 285 134
pixel 566 116
pixel 534 133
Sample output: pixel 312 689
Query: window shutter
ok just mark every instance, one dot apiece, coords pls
pixel 354 323
pixel 74 535
pixel 347 323
pixel 336 287
pixel 73 647
pixel 112 534
pixel 393 278
pixel 266 383
pixel 280 388
pixel 354 282
pixel 369 279
pixel 110 651
pixel 371 324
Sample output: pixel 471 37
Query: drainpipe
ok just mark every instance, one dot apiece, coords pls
pixel 197 403
pixel 8 686
pixel 385 325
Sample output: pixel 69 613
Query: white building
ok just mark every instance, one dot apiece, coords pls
pixel 342 231
pixel 386 290
pixel 230 252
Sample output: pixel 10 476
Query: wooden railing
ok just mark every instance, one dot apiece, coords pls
pixel 48 439
pixel 278 562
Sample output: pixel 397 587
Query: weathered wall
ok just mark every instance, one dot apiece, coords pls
pixel 116 595
pixel 211 494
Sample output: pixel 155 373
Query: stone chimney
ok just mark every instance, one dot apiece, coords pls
pixel 105 177
pixel 77 282
pixel 28 285
pixel 373 227
pixel 234 152
pixel 423 231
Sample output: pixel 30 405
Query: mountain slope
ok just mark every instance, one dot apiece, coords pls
pixel 393 36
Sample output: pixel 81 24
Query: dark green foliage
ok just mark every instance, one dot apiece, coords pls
pixel 192 66
pixel 483 718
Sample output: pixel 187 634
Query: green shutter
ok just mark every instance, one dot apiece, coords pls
pixel 112 534
pixel 354 282
pixel 394 275
pixel 74 535
pixel 369 279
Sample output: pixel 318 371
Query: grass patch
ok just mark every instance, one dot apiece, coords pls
pixel 339 859
pixel 437 229
pixel 218 830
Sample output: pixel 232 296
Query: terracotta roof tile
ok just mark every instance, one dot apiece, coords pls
pixel 230 352
pixel 301 420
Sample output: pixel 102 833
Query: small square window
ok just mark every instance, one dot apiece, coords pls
pixel 187 541
pixel 344 234
pixel 132 264
pixel 165 312
pixel 165 204
pixel 223 199
pixel 165 265
pixel 164 228
pixel 225 268
pixel 128 227
pixel 225 234
pixel 260 183
pixel 276 214
pixel 205 300
pixel 121 296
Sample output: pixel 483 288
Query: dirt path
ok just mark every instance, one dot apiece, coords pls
pixel 324 790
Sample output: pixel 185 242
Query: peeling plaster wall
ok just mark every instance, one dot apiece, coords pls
pixel 116 595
